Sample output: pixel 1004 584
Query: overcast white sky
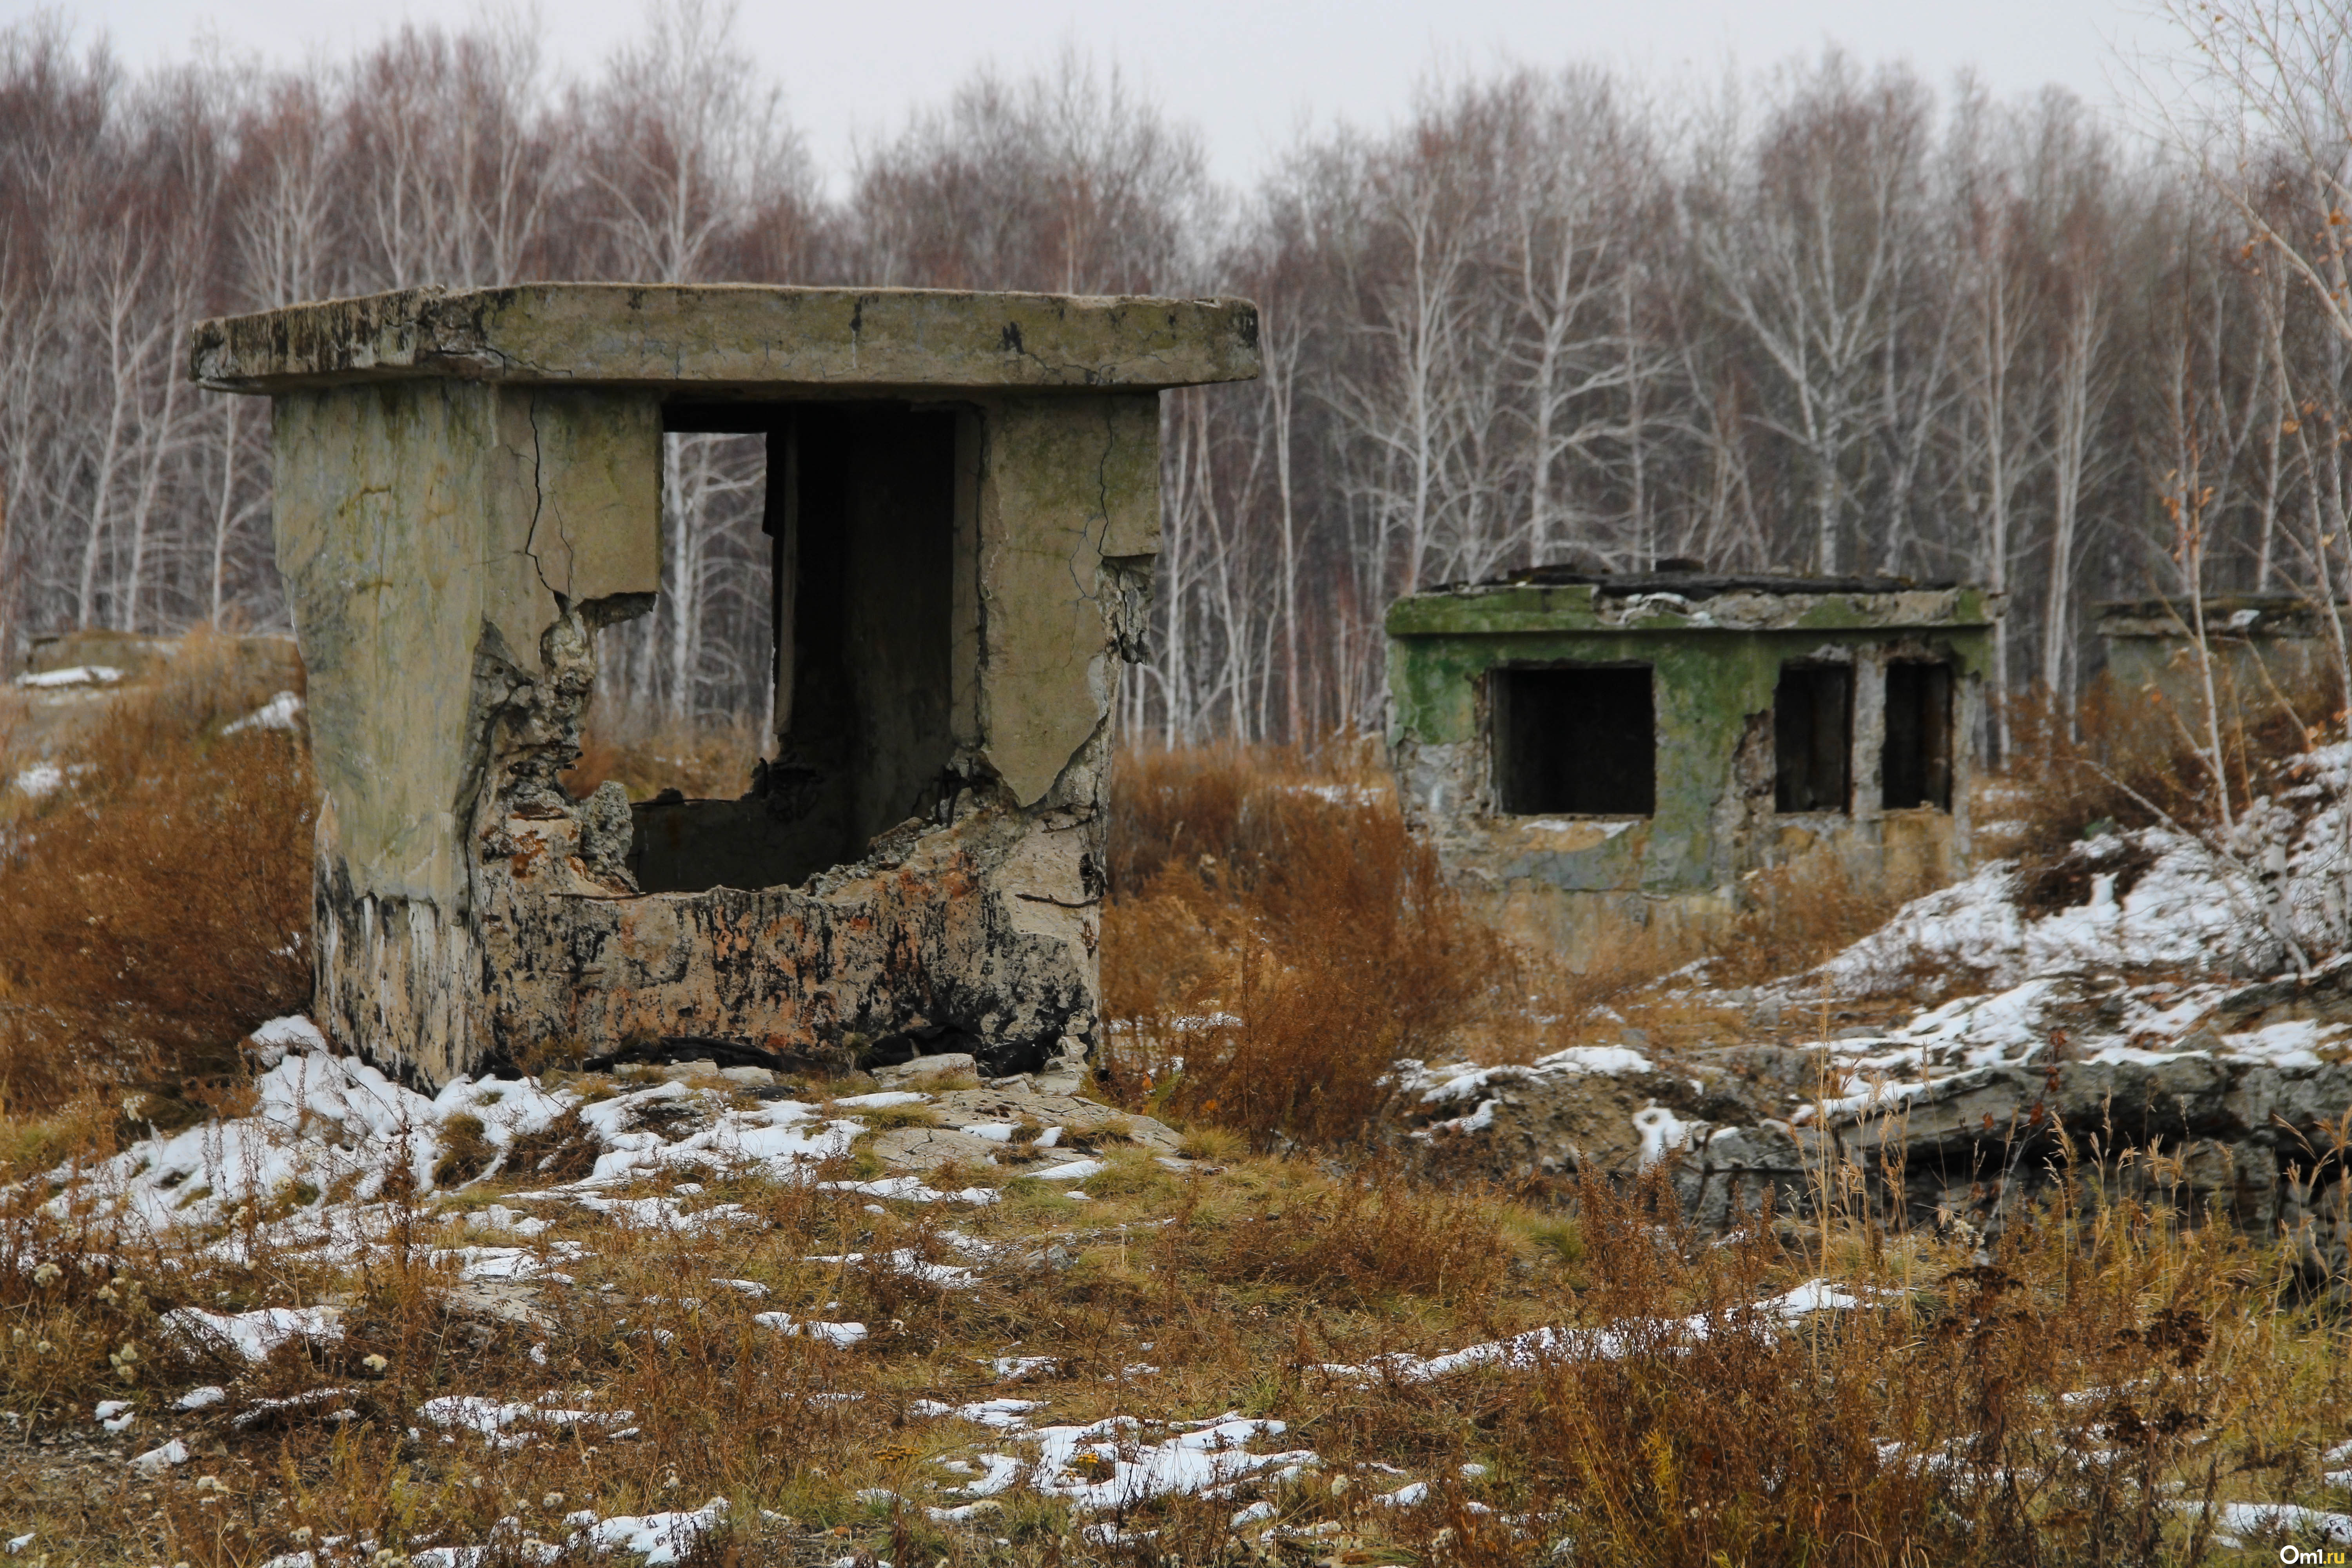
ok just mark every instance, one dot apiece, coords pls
pixel 1246 71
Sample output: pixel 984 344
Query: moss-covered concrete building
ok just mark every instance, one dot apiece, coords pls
pixel 962 492
pixel 1590 752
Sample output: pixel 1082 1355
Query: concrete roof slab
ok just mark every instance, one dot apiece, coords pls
pixel 745 339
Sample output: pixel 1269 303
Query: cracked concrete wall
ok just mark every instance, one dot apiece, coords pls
pixel 414 521
pixel 450 547
pixel 974 927
pixel 1566 882
pixel 1068 513
pixel 468 487
pixel 425 528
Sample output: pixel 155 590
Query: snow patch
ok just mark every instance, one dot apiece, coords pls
pixel 254 1335
pixel 79 675
pixel 155 1461
pixel 281 713
pixel 41 780
pixel 659 1538
pixel 1521 1352
pixel 842 1334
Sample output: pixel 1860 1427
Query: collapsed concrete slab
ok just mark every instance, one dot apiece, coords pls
pixel 963 497
pixel 1593 752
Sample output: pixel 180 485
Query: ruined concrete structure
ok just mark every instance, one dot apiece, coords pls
pixel 2262 646
pixel 963 495
pixel 1587 751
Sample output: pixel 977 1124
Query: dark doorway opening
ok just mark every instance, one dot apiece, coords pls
pixel 1916 767
pixel 1812 738
pixel 1577 742
pixel 861 515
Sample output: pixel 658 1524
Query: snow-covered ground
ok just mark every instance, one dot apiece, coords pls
pixel 334 1156
pixel 354 1150
pixel 2158 899
pixel 324 1123
pixel 2136 973
pixel 2143 970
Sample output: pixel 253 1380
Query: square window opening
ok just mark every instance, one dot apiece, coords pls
pixel 1916 769
pixel 1577 742
pixel 1812 738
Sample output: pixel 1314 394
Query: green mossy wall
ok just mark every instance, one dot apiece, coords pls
pixel 1715 663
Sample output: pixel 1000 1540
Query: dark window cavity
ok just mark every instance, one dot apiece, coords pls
pixel 1812 737
pixel 860 518
pixel 1577 742
pixel 1916 768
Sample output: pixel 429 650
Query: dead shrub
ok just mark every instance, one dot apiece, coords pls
pixel 2118 758
pixel 1628 979
pixel 466 1151
pixel 1792 917
pixel 1375 1234
pixel 1181 803
pixel 2064 880
pixel 563 1151
pixel 158 907
pixel 707 757
pixel 1285 938
pixel 1942 1421
pixel 1649 1442
pixel 85 1127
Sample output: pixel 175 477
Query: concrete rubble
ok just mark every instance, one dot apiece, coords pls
pixel 964 1122
pixel 2237 1118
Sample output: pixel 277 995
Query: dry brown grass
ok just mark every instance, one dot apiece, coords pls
pixel 2070 1402
pixel 703 759
pixel 1794 916
pixel 2126 759
pixel 158 907
pixel 1373 1233
pixel 1276 928
pixel 2075 1399
pixel 1273 926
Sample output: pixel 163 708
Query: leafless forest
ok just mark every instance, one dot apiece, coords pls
pixel 1828 317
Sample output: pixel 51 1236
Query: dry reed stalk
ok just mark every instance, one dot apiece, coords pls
pixel 1284 936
